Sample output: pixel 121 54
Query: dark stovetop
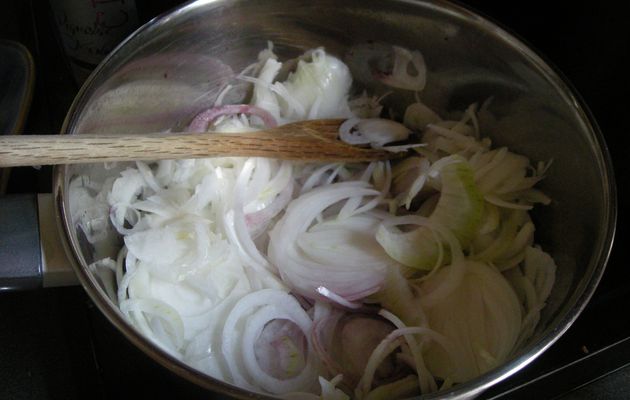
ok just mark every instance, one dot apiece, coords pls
pixel 56 345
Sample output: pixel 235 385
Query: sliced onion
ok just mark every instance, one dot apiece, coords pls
pixel 262 96
pixel 365 106
pixel 281 348
pixel 460 141
pixel 148 310
pixel 317 177
pixel 374 131
pixel 482 319
pixel 258 221
pixel 266 194
pixel 399 76
pixel 203 120
pixel 418 116
pixel 391 343
pixel 242 329
pixel 322 334
pixel 306 267
pixel 426 381
pixel 384 349
pixel 321 86
pixel 335 298
pixel 540 269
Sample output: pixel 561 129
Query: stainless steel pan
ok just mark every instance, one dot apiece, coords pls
pixel 176 64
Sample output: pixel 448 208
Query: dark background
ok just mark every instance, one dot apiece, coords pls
pixel 55 345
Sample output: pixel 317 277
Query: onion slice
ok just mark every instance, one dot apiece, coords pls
pixel 202 121
pixel 374 131
pixel 333 254
pixel 399 76
pixel 244 325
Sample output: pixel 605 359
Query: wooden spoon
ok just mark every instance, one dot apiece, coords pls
pixel 314 140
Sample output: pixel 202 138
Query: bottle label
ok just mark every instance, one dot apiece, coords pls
pixel 90 29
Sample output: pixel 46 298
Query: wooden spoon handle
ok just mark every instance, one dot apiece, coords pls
pixel 26 150
pixel 69 149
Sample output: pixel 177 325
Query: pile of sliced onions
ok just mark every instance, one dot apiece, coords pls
pixel 376 280
pixel 337 259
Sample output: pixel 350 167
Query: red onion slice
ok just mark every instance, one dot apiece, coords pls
pixel 201 122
